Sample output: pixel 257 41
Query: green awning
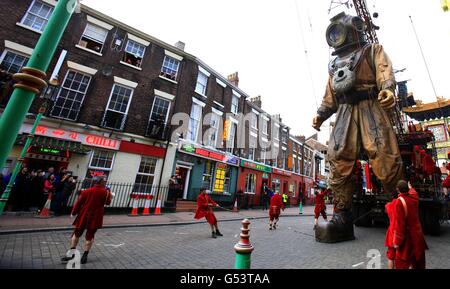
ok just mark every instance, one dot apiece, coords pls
pixel 54 143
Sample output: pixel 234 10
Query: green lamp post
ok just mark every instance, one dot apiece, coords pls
pixel 31 80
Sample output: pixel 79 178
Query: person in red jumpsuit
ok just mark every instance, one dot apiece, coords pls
pixel 389 241
pixel 408 239
pixel 320 207
pixel 204 210
pixel 276 205
pixel 89 209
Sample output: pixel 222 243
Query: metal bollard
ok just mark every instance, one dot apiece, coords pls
pixel 244 249
pixel 300 207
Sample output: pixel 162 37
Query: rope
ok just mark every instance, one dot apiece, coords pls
pixel 261 220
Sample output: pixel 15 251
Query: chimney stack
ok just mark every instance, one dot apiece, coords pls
pixel 234 79
pixel 257 101
pixel 180 45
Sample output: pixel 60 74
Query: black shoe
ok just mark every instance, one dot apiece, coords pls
pixel 213 235
pixel 270 228
pixel 339 229
pixel 218 233
pixel 84 258
pixel 67 259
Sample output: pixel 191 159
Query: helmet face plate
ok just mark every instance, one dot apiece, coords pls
pixel 336 34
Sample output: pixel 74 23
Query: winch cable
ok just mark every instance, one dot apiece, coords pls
pixel 306 52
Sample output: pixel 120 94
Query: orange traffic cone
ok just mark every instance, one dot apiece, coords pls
pixel 45 213
pixel 235 208
pixel 134 211
pixel 146 211
pixel 158 207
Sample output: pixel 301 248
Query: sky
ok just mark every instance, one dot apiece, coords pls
pixel 279 47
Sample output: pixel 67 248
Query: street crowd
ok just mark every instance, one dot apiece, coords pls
pixel 31 190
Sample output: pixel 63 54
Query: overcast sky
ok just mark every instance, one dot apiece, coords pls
pixel 265 41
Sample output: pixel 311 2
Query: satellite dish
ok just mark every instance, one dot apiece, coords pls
pixel 107 71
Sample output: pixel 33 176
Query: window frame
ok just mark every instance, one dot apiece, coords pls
pixel 41 30
pixel 163 74
pixel 252 184
pixel 197 129
pixel 69 89
pixel 203 93
pixel 16 53
pixel 236 105
pixel 146 174
pixel 125 52
pixel 127 110
pixel 90 166
pixel 216 128
pixel 90 38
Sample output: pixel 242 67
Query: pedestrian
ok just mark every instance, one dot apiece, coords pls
pixel 68 188
pixel 276 205
pixel 49 188
pixel 89 210
pixel 320 208
pixel 285 199
pixel 37 189
pixel 389 240
pixel 408 239
pixel 265 198
pixel 20 191
pixel 50 171
pixel 204 210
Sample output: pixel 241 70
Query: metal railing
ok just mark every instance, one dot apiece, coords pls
pixel 124 194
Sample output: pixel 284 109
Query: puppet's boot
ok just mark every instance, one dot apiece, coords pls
pixel 340 228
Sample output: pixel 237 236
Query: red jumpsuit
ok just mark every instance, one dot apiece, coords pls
pixel 276 203
pixel 389 241
pixel 90 208
pixel 204 210
pixel 320 205
pixel 407 233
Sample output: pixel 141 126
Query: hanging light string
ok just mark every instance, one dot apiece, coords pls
pixel 306 53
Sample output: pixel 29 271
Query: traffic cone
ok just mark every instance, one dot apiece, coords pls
pixel 158 207
pixel 134 211
pixel 45 213
pixel 235 208
pixel 146 211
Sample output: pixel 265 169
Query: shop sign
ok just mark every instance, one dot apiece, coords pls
pixel 90 140
pixel 255 166
pixel 283 173
pixel 208 154
pixel 265 176
pixel 49 151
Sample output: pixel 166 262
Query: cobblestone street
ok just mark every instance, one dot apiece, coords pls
pixel 184 247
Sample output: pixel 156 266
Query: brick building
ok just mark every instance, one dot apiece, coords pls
pixel 139 110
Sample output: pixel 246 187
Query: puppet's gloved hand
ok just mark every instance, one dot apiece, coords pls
pixel 386 99
pixel 317 123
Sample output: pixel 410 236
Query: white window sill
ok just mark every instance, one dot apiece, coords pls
pixel 28 28
pixel 169 80
pixel 201 94
pixel 248 193
pixel 88 50
pixel 129 65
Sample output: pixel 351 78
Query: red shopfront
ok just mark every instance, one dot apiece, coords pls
pixel 309 190
pixel 252 177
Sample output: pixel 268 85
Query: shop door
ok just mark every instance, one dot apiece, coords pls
pixel 183 173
